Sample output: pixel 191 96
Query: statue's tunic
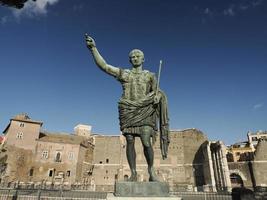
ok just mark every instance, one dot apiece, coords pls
pixel 136 108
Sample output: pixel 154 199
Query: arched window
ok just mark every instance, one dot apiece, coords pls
pixel 58 157
pixel 71 155
pixel 45 154
pixel 126 177
pixel 31 172
pixel 51 172
pixel 19 135
pixel 236 180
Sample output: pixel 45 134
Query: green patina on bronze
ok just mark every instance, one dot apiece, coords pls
pixel 141 106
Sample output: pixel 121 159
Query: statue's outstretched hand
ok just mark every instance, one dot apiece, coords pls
pixel 90 43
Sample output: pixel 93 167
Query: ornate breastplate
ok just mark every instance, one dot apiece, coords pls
pixel 136 85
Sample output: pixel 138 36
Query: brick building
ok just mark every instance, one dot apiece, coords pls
pixel 35 156
pixel 247 161
pixel 94 161
pixel 183 169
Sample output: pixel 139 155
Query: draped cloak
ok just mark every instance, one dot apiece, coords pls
pixel 135 114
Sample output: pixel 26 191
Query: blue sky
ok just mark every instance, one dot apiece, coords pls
pixel 214 62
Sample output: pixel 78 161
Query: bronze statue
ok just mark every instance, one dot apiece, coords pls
pixel 141 104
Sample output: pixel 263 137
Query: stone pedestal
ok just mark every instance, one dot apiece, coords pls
pixel 112 197
pixel 141 191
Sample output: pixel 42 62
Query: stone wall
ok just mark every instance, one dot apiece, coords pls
pixel 23 134
pixel 107 160
pixel 18 162
pixel 243 170
pixel 182 169
pixel 260 164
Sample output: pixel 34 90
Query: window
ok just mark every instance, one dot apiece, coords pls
pixel 45 154
pixel 71 155
pixel 31 172
pixel 107 160
pixel 68 173
pixel 21 124
pixel 90 172
pixel 50 172
pixel 60 174
pixel 58 157
pixel 19 135
pixel 254 138
pixel 125 177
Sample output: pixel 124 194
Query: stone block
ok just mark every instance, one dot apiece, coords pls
pixel 141 189
pixel 112 197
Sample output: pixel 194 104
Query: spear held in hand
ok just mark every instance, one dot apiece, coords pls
pixel 164 126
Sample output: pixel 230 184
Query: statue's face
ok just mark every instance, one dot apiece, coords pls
pixel 137 58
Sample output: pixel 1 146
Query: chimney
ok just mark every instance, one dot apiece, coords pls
pixel 83 130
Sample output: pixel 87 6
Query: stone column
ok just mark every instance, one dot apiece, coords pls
pixel 226 169
pixel 219 167
pixel 220 160
pixel 215 168
pixel 213 183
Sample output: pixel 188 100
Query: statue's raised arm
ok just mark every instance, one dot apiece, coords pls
pixel 99 60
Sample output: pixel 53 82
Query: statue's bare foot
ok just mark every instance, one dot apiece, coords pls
pixel 133 178
pixel 152 176
pixel 153 179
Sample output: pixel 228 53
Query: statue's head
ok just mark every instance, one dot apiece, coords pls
pixel 136 57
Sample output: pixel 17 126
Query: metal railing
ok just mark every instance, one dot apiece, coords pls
pixel 202 195
pixel 34 194
pixel 45 194
pixel 236 194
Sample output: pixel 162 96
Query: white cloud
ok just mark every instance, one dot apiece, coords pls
pixel 243 7
pixel 258 106
pixel 77 7
pixel 32 8
pixel 207 11
pixel 3 20
pixel 229 11
pixel 256 3
pixel 208 15
pixel 234 9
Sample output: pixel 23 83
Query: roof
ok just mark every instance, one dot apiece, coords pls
pixel 260 132
pixel 243 143
pixel 182 130
pixel 62 138
pixel 25 118
pixel 22 117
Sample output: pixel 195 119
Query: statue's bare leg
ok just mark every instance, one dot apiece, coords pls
pixel 131 156
pixel 148 151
